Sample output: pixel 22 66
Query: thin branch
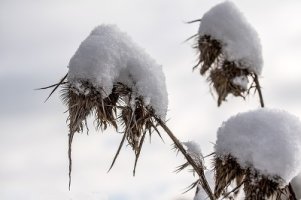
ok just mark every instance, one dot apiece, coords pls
pixel 191 37
pixel 55 86
pixel 121 143
pixel 191 186
pixel 118 151
pixel 50 86
pixel 138 153
pixel 292 192
pixel 234 190
pixel 194 21
pixel 200 172
pixel 71 134
pixel 259 90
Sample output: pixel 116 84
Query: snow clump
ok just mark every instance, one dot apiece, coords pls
pixel 108 56
pixel 266 140
pixel 240 42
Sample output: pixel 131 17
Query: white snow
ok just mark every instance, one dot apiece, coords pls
pixel 193 148
pixel 241 81
pixel 240 42
pixel 268 140
pixel 296 184
pixel 108 56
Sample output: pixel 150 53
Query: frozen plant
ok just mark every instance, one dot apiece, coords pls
pixel 113 79
pixel 202 195
pixel 259 149
pixel 230 50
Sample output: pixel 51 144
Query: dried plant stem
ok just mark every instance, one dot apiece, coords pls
pixel 200 172
pixel 118 151
pixel 56 86
pixel 233 190
pixel 194 21
pixel 292 192
pixel 258 88
pixel 71 134
pixel 138 153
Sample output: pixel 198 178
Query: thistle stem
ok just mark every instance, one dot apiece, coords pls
pixel 258 87
pixel 198 170
pixel 292 192
pixel 70 139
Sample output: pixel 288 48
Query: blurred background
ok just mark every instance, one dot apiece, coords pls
pixel 39 37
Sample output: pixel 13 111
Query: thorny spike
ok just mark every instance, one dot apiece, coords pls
pixel 61 82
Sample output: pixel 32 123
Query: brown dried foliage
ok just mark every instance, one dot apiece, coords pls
pixel 221 80
pixel 255 185
pixel 221 71
pixel 114 110
pixel 226 170
pixel 209 51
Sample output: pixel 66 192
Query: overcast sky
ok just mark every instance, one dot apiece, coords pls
pixel 39 37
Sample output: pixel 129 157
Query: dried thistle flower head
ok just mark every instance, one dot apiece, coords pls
pixel 226 77
pixel 117 82
pixel 122 109
pixel 209 52
pixel 84 99
pixel 226 171
pixel 223 80
pixel 229 48
pixel 255 184
pixel 244 144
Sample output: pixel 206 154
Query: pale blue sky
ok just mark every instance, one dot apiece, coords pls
pixel 37 40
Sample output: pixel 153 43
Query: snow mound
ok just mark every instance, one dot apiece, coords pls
pixel 296 183
pixel 240 42
pixel 108 56
pixel 268 140
pixel 193 148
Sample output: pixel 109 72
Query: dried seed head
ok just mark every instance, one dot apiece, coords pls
pixel 82 100
pixel 226 171
pixel 222 73
pixel 209 50
pixel 121 107
pixel 222 78
pixel 255 185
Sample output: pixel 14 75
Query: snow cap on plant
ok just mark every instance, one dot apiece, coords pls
pixel 296 184
pixel 259 149
pixel 115 80
pixel 229 49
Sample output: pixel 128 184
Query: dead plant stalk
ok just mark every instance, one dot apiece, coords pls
pixel 198 170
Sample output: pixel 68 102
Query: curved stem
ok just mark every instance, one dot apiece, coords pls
pixel 292 191
pixel 70 139
pixel 198 170
pixel 258 87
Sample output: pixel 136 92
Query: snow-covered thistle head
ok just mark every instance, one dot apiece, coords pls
pixel 229 49
pixel 115 80
pixel 260 149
